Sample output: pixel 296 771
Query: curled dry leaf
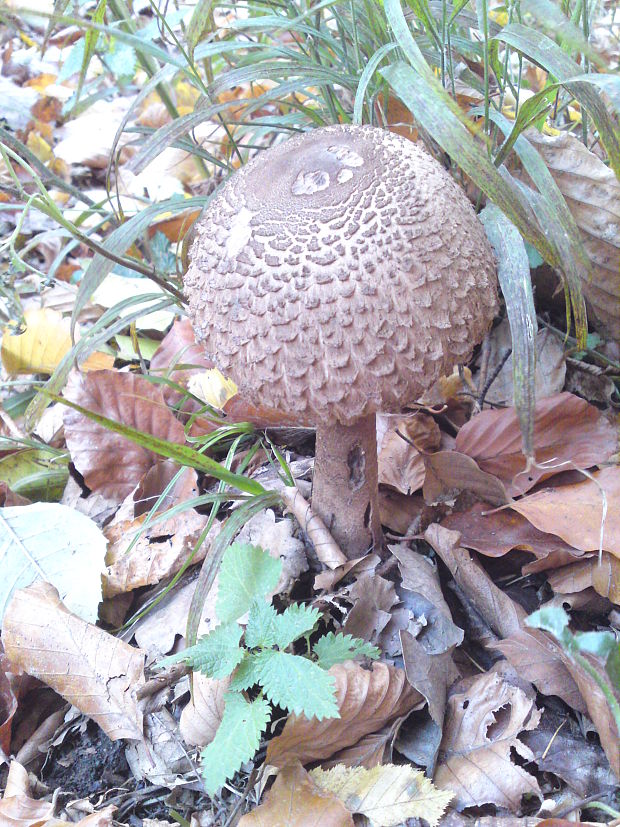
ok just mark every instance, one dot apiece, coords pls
pixel 482 727
pixel 202 716
pixel 17 807
pixel 592 193
pixel 450 472
pixel 296 801
pixel 401 465
pixel 367 700
pixel 326 548
pixel 495 534
pixel 96 672
pixel 566 428
pixel 575 512
pixel 159 757
pixel 111 464
pixel 373 598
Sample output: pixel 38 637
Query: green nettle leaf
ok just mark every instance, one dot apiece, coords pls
pixel 601 644
pixel 552 619
pixel 215 654
pixel 294 622
pixel 247 574
pixel 246 674
pixel 336 648
pixel 297 684
pixel 261 626
pixel 236 741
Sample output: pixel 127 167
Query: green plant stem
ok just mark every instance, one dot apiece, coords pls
pixel 612 703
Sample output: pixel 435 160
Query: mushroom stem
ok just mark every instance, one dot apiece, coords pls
pixel 345 485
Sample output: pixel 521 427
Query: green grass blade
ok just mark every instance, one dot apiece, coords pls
pixel 367 74
pixel 514 278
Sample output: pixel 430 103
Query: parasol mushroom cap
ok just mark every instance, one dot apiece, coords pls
pixel 339 274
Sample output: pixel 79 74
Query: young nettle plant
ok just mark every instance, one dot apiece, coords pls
pixel 257 655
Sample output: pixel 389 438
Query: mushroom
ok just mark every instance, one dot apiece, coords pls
pixel 339 274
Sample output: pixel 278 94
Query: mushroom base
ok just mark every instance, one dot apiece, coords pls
pixel 345 485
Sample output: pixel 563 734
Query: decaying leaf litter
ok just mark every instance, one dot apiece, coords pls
pixel 446 652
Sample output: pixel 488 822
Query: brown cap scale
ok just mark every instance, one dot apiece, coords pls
pixel 338 274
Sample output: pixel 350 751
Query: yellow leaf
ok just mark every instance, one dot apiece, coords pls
pixel 212 387
pixel 41 347
pixel 39 147
pixel 387 794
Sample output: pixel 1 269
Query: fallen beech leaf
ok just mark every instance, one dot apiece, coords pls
pixel 17 807
pixel 96 672
pixel 606 577
pixel 450 472
pixel 52 542
pixel 550 365
pixel 482 727
pixel 535 655
pixel 161 549
pixel 401 465
pixel 573 578
pixel 160 757
pixel 296 801
pixel 367 700
pixel 566 428
pixel 8 705
pixel 202 716
pixel 111 464
pixel 575 512
pixel 373 598
pixel 495 534
pixel 387 795
pixel 559 747
pixel 592 193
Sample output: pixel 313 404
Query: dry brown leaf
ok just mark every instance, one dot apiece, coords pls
pixel 373 598
pixel 296 801
pixel 202 716
pixel 111 464
pixel 495 534
pixel 450 472
pixel 559 747
pixel 369 750
pixel 606 577
pixel 534 654
pixel 161 550
pixel 565 428
pixel 550 365
pixel 592 193
pixel 160 757
pixel 367 700
pixel 326 548
pixel 575 512
pixel 401 465
pixel 573 578
pixel 482 726
pixel 96 672
pixel 17 808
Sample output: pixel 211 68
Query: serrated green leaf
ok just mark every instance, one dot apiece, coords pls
pixel 336 648
pixel 236 741
pixel 514 278
pixel 297 684
pixel 601 644
pixel 294 622
pixel 552 619
pixel 215 654
pixel 246 674
pixel 247 574
pixel 261 626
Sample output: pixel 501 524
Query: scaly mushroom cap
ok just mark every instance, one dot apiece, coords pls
pixel 338 274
